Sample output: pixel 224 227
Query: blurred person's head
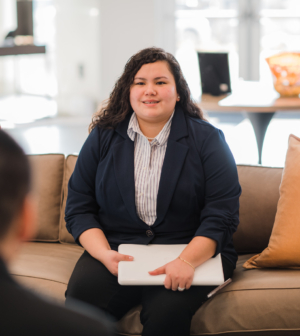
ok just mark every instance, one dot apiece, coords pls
pixel 17 212
pixel 119 105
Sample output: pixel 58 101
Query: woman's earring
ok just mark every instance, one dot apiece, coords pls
pixel 178 97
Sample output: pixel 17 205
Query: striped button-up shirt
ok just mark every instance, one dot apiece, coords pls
pixel 148 162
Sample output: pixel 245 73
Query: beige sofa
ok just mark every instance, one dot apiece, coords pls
pixel 258 302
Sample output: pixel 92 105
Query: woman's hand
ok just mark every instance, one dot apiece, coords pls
pixel 178 274
pixel 110 259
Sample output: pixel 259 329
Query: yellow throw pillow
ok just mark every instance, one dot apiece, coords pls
pixel 283 250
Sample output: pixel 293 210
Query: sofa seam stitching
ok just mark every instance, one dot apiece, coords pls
pixel 243 331
pixel 33 277
pixel 251 289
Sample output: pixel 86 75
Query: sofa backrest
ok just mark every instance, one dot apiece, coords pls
pixel 51 174
pixel 64 235
pixel 47 176
pixel 258 205
pixel 258 202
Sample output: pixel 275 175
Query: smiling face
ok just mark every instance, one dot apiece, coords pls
pixel 153 94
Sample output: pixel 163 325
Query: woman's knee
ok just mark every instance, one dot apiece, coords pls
pixel 165 308
pixel 166 318
pixel 90 280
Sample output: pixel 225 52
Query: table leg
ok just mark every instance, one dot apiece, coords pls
pixel 260 123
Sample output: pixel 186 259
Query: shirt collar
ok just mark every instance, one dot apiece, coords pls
pixel 160 139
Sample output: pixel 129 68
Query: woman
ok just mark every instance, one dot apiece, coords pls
pixel 151 171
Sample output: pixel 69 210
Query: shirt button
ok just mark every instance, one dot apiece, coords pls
pixel 149 233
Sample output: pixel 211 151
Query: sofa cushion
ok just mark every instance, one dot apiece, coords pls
pixel 257 302
pixel 263 301
pixel 260 301
pixel 47 173
pixel 258 205
pixel 64 235
pixel 46 267
pixel 284 249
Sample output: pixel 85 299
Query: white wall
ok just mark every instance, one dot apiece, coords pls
pixel 77 55
pixel 8 18
pixel 8 22
pixel 129 26
pixel 103 44
pixel 93 40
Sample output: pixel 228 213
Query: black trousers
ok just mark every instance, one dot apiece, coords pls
pixel 164 312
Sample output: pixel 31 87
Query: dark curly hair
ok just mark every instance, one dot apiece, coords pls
pixel 118 105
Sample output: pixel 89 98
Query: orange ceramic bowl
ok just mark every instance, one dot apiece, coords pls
pixel 285 68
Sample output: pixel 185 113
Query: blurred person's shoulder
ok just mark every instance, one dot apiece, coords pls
pixel 23 312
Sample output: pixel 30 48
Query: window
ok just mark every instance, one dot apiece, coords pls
pixel 248 30
pixel 31 74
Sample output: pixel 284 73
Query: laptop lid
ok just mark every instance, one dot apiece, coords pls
pixel 149 257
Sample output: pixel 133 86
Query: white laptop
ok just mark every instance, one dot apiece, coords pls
pixel 149 257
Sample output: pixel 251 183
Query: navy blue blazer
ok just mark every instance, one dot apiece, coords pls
pixel 198 193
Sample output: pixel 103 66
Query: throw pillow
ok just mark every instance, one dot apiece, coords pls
pixel 283 250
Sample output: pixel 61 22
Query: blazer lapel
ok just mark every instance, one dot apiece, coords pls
pixel 123 156
pixel 174 159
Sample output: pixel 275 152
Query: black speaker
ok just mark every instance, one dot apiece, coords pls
pixel 214 72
